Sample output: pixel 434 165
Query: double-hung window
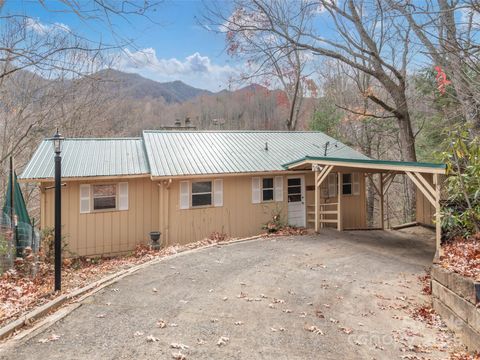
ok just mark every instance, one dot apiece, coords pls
pixel 267 189
pixel 201 193
pixel 104 197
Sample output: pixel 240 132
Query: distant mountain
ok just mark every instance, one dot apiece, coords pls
pixel 137 87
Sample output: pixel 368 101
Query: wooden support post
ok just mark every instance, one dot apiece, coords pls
pixel 382 216
pixel 339 206
pixel 438 225
pixel 317 193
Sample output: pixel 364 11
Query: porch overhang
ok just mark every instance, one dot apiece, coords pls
pixel 386 169
pixel 366 165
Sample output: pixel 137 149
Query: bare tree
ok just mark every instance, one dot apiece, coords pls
pixel 448 31
pixel 269 59
pixel 365 37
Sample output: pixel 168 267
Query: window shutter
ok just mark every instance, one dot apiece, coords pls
pixel 123 196
pixel 356 184
pixel 84 198
pixel 256 190
pixel 278 188
pixel 184 195
pixel 218 192
pixel 332 185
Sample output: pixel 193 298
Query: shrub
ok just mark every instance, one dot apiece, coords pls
pixel 47 245
pixel 275 224
pixel 461 211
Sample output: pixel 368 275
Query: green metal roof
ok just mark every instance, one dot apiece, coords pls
pixel 90 157
pixel 184 153
pixel 367 161
pixel 180 153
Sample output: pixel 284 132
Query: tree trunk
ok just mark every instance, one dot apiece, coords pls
pixel 408 153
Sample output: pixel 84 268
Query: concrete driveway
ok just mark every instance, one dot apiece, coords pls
pixel 330 296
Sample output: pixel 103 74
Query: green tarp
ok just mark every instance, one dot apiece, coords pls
pixel 24 225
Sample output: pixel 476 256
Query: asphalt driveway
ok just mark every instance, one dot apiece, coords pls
pixel 330 296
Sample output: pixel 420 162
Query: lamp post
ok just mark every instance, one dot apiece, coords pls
pixel 57 146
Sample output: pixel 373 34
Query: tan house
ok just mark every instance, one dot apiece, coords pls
pixel 189 184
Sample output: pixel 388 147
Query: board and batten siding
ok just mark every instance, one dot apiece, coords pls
pixel 156 206
pixel 105 232
pixel 425 211
pixel 237 217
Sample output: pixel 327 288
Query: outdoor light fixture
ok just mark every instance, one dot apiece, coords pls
pixel 57 147
pixel 57 142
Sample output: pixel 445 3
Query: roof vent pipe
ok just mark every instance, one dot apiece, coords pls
pixel 266 146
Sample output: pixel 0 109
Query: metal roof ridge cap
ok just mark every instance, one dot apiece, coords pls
pixel 234 131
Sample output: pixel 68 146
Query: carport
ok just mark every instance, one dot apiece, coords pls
pixel 425 176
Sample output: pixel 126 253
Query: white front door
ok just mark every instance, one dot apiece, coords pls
pixel 296 200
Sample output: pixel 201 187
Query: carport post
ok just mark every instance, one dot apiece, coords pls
pixel 316 199
pixel 339 209
pixel 381 203
pixel 438 224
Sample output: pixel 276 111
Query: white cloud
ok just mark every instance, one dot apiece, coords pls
pixel 43 29
pixel 195 69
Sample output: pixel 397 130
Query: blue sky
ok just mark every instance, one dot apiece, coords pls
pixel 173 46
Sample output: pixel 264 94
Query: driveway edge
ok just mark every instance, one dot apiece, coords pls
pixel 80 294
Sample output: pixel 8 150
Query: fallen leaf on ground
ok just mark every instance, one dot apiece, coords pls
pixel 179 356
pixel 238 323
pixel 151 338
pixel 53 337
pixel 314 329
pixel 223 341
pixel 346 330
pixel 154 290
pixel 101 316
pixel 161 324
pixel 179 346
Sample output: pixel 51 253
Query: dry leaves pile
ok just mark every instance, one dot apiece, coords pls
pixel 463 256
pixel 289 231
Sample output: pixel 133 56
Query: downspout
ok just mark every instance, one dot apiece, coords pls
pixel 167 215
pixel 165 209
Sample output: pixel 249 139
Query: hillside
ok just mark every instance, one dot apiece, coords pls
pixel 134 86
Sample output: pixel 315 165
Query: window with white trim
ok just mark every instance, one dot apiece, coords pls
pixel 201 193
pixel 267 189
pixel 104 197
